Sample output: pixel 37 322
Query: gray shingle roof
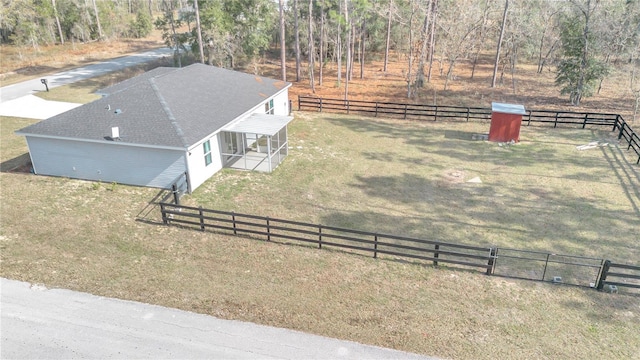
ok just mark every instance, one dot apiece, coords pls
pixel 170 107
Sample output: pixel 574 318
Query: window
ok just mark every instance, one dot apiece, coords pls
pixel 268 107
pixel 207 153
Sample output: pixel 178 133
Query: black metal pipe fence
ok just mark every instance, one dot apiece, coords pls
pixel 458 113
pixel 513 263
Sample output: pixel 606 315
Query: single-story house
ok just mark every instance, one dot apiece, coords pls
pixel 167 127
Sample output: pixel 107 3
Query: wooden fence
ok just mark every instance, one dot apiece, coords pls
pixel 630 136
pixel 618 272
pixel 513 263
pixel 363 242
pixel 458 113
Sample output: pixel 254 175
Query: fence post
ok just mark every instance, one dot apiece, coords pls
pixel 376 109
pixel 615 123
pixel 529 122
pixel 299 104
pixel 436 254
pixel 468 114
pixel 319 236
pixel 622 129
pixel 544 272
pixel 320 104
pixel 164 215
pixel 268 230
pixel 375 245
pixel 586 116
pixel 233 220
pixel 555 124
pixel 405 110
pixel 603 274
pixel 493 253
pixel 176 197
pixel 348 106
pixel 201 218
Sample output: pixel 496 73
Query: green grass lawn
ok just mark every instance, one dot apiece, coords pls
pixel 405 178
pixel 411 178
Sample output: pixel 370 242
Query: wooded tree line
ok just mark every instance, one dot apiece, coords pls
pixel 580 40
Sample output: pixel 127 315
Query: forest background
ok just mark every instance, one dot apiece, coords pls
pixel 421 51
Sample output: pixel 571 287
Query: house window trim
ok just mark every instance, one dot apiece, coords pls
pixel 208 158
pixel 268 107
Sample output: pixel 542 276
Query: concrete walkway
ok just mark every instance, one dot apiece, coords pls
pixel 39 323
pixel 33 107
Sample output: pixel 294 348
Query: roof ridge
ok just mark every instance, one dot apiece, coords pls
pixel 167 110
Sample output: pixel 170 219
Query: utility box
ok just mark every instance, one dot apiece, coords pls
pixel 505 122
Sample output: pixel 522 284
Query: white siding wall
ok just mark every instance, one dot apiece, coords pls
pixel 198 171
pixel 106 162
pixel 281 103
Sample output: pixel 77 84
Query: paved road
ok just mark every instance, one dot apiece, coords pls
pixel 25 88
pixel 40 323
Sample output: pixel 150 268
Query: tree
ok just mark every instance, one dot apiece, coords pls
pixel 55 14
pixel 296 29
pixel 97 15
pixel 199 31
pixel 495 65
pixel 142 25
pixel 283 50
pixel 310 48
pixel 579 70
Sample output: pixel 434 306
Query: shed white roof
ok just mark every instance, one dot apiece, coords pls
pixel 508 108
pixel 261 124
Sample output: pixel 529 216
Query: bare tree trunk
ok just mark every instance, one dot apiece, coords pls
pixel 499 47
pixel 55 13
pixel 95 10
pixel 283 50
pixel 432 41
pixel 577 97
pixel 297 46
pixel 348 65
pixel 311 49
pixel 386 49
pixel 339 46
pixel 199 31
pixel 410 49
pixel 175 36
pixel 423 48
pixel 352 41
pixel 481 38
pixel 362 44
pixel 321 44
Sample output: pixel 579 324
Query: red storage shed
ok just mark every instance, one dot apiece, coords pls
pixel 505 122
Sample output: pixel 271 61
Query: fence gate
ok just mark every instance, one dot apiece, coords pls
pixel 543 266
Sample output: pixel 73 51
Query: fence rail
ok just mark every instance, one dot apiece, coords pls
pixel 624 275
pixel 363 242
pixel 513 263
pixel 458 113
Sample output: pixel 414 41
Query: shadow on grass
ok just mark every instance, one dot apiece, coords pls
pixel 626 173
pixel 472 213
pixel 146 215
pixel 20 164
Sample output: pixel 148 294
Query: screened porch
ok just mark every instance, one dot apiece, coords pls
pixel 257 143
